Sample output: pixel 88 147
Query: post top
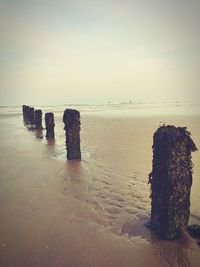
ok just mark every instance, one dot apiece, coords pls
pixel 70 115
pixel 172 135
pixel 49 114
pixel 38 111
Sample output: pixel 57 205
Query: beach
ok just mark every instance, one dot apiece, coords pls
pixel 93 212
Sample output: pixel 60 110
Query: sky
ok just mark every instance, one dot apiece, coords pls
pixel 95 51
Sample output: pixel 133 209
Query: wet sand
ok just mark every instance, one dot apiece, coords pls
pixel 90 213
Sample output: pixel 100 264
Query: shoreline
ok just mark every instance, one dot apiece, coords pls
pixel 90 213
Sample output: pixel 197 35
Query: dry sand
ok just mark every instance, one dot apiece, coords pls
pixel 92 213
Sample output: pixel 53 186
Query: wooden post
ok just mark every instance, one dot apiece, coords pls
pixel 171 181
pixel 49 121
pixel 32 115
pixel 71 119
pixel 24 110
pixel 26 114
pixel 38 119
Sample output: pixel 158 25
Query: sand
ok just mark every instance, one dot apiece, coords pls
pixel 92 213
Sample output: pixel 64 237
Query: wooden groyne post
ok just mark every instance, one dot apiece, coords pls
pixel 49 122
pixel 26 114
pixel 171 181
pixel 71 119
pixel 38 119
pixel 32 115
pixel 24 110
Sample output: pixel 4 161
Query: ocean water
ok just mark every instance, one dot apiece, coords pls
pixel 62 209
pixel 117 109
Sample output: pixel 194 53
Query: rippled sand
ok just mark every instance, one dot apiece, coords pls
pixel 91 213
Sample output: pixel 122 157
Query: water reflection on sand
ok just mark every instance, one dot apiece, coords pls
pixel 88 213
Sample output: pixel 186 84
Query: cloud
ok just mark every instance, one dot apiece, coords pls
pixel 99 48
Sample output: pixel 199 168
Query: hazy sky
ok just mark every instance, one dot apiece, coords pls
pixel 99 50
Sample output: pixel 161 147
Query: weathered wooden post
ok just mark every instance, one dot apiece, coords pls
pixel 23 110
pixel 171 181
pixel 38 119
pixel 31 115
pixel 49 121
pixel 26 114
pixel 71 119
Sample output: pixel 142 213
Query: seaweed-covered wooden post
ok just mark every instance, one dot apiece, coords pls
pixel 49 121
pixel 71 119
pixel 171 181
pixel 38 119
pixel 31 115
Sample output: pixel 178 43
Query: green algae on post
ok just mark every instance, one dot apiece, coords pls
pixel 171 181
pixel 71 119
